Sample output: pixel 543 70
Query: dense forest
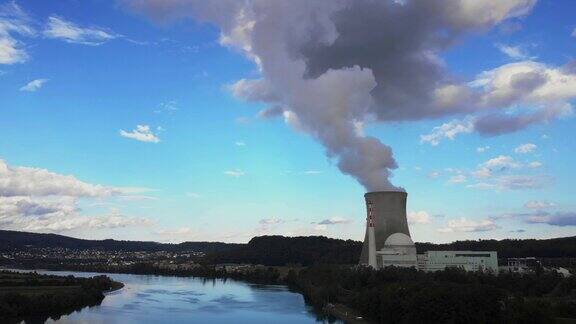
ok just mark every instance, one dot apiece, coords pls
pixel 280 250
pixel 394 295
pixel 39 297
pixel 564 247
pixel 307 250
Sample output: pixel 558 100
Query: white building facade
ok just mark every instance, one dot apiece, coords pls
pixel 466 260
pixel 399 251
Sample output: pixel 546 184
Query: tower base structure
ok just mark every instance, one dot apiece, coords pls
pixel 387 216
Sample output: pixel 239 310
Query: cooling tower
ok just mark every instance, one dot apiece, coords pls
pixel 388 217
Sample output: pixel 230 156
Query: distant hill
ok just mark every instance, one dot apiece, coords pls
pixel 280 250
pixel 14 239
pixel 563 247
pixel 306 250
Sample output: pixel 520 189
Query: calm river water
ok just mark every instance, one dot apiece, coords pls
pixel 162 299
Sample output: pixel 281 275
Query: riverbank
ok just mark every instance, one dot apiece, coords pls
pixel 282 275
pixel 35 297
pixel 345 313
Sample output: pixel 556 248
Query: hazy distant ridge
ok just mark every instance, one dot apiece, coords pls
pixel 280 250
pixel 14 239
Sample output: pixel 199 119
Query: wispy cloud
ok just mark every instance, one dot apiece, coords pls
pixel 142 133
pixel 59 28
pixel 193 195
pixel 13 21
pixel 418 217
pixel 447 131
pixel 168 107
pixel 501 162
pixel 482 149
pixel 514 182
pixel 240 143
pixel 465 225
pixel 271 221
pixel 556 219
pixel 334 221
pixel 535 164
pixel 459 178
pixel 514 52
pixel 236 173
pixel 525 148
pixel 34 85
pixel 182 231
pixel 538 204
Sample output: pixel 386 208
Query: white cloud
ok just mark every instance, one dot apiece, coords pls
pixel 482 173
pixel 418 217
pixel 556 219
pixel 58 28
pixel 514 52
pixel 57 214
pixel 501 162
pixel 482 149
pixel 434 174
pixel 514 182
pixel 527 82
pixel 182 231
pixel 535 164
pixel 13 21
pixel 34 199
pixel 167 107
pixel 312 172
pixel 34 85
pixel 459 178
pixel 193 195
pixel 447 131
pixel 334 221
pixel 525 148
pixel 270 226
pixel 78 222
pixel 320 227
pixel 240 143
pixel 465 225
pixel 271 221
pixel 496 175
pixel 142 133
pixel 26 181
pixel 537 204
pixel 234 173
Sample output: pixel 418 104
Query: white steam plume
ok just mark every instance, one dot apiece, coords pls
pixel 328 66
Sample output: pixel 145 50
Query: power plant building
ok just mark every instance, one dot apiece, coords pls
pixel 467 260
pixel 388 243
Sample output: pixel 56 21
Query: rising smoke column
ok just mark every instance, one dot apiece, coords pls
pixel 329 66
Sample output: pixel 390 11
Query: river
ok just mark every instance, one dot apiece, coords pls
pixel 164 299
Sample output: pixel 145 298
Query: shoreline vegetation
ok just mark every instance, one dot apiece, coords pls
pixel 29 296
pixel 394 295
pixel 323 270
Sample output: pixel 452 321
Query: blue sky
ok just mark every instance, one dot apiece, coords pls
pixel 117 123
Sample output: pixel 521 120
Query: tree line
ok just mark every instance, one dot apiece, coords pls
pixel 394 295
pixel 307 250
pixel 40 302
